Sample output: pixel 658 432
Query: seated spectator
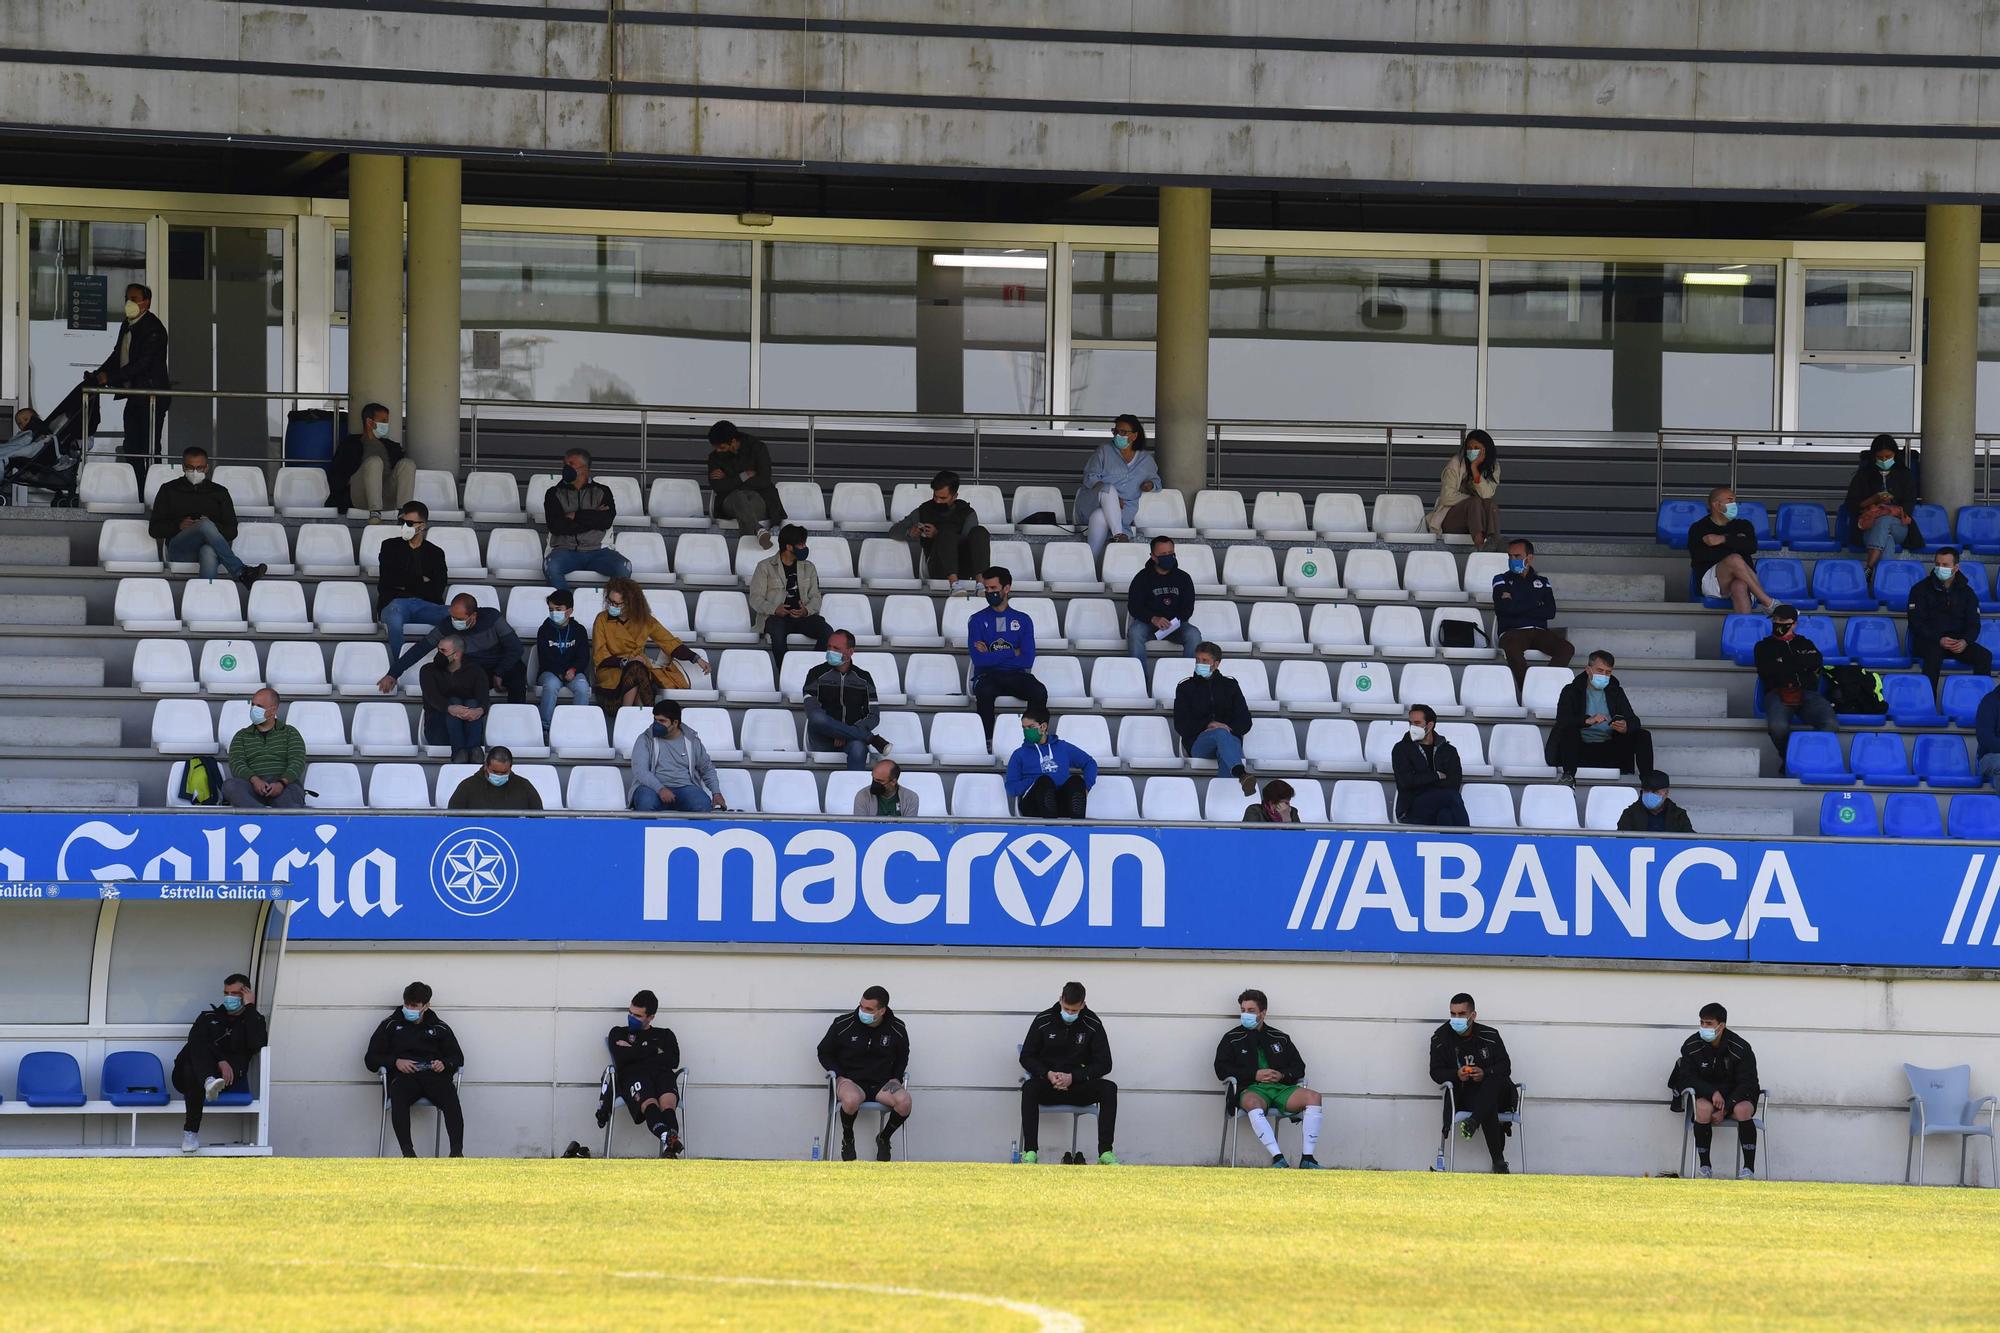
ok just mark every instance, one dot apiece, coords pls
pixel 1471 1058
pixel 671 770
pixel 1269 1073
pixel 1986 726
pixel 1158 604
pixel 562 656
pixel 842 710
pixel 1274 807
pixel 645 1061
pixel 625 674
pixel 1047 777
pixel 420 1054
pixel 1654 811
pixel 487 641
pixel 455 691
pixel 197 520
pixel 1596 725
pixel 1944 620
pixel 220 1042
pixel 579 512
pixel 1118 473
pixel 785 595
pixel 363 462
pixel 1789 664
pixel 946 540
pixel 1720 546
pixel 1429 776
pixel 411 587
pixel 1002 644
pixel 496 786
pixel 1524 604
pixel 1212 718
pixel 267 759
pixel 1882 500
pixel 1718 1071
pixel 1466 489
pixel 739 477
pixel 885 796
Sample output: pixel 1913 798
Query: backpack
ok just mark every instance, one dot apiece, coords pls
pixel 201 781
pixel 1856 690
pixel 1458 633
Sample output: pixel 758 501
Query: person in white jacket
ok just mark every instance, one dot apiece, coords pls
pixel 1466 492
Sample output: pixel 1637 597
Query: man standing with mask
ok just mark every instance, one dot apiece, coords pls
pixel 138 362
pixel 1067 1057
pixel 1269 1074
pixel 421 1054
pixel 868 1053
pixel 1524 604
pixel 1789 665
pixel 217 1055
pixel 841 706
pixel 1944 620
pixel 1469 1058
pixel 1430 779
pixel 1002 642
pixel 885 796
pixel 410 589
pixel 784 594
pixel 645 1061
pixel 1158 604
pixel 1718 1071
pixel 578 513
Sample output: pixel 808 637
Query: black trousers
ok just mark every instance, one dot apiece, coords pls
pixel 1930 656
pixel 1099 1092
pixel 1486 1100
pixel 1047 800
pixel 994 683
pixel 190 1072
pixel 1631 752
pixel 947 555
pixel 779 630
pixel 145 433
pixel 513 679
pixel 406 1090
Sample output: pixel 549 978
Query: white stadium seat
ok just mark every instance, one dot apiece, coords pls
pixel 319 724
pixel 1120 682
pixel 230 666
pixel 278 606
pixel 738 788
pixel 674 502
pixel 1337 631
pixel 157 475
pixel 885 563
pixel 1549 806
pixel 905 734
pixel 1305 688
pixel 1122 563
pixel 805 504
pixel 493 497
pixel 576 731
pixel 1517 750
pixel 1398 632
pixel 647 552
pixel 295 666
pixel 1357 801
pixel 1251 571
pixel 1333 745
pixel 515 553
pixel 1605 803
pixel 1091 733
pixel 1070 567
pixel 703 557
pixel 1163 514
pixel 853 612
pixel 1488 805
pixel 124 546
pixel 1310 571
pixel 1543 687
pixel 935 680
pixel 750 553
pixel 1380 743
pixel 1223 801
pixel 213 606
pixel 369 546
pixel 958 738
pixel 1168 674
pixel 163 666
pixel 518 727
pixel 743 675
pixel 264 544
pixel 301 492
pixel 1277 628
pixel 461 552
pixel 535 494
pixel 1146 740
pixel 1432 576
pixel 857 506
pixel 183 726
pixel 626 725
pixel 334 786
pixel 382 728
pixel 342 608
pixel 1219 516
pixel 717 731
pixel 840 790
pixel 1480 567
pixel 448 778
pixel 1429 683
pixel 248 491
pixel 1401 518
pixel 1365 687
pixel 909 620
pixel 327 550
pixel 771 736
pixel 1114 797
pixel 1037 500
pixel 398 787
pixel 357 667
pixel 1371 576
pixel 790 791
pixel 107 486
pixel 1339 516
pixel 145 606
pixel 626 500
pixel 979 796
pixel 1272 746
pixel 1173 799
pixel 1018 559
pixel 905 498
pixel 1487 691
pixel 1464 737
pixel 1481 649
pixel 597 787
pixel 1280 514
pixel 988 504
pixel 722 616
pixel 548 783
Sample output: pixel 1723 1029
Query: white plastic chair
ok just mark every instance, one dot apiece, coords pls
pixel 1163 513
pixel 381 728
pixel 326 550
pixel 1480 569
pixel 647 551
pixel 805 505
pixel 145 606
pixel 247 490
pixel 743 675
pixel 301 492
pixel 853 612
pixel 790 792
pixel 1280 514
pixel 514 553
pixel 461 552
pixel 909 620
pixel 1542 689
pixel 1604 804
pixel 124 546
pixel 320 724
pixel 1304 688
pixel 107 486
pixel 491 497
pixel 1488 805
pixel 1311 572
pixel 1365 687
pixel 1356 801
pixel 1398 632
pixel 357 667
pixel 1251 571
pixel 1487 690
pixel 213 606
pixel 1146 740
pixel 1220 516
pixel 935 680
pixel 334 786
pixel 885 563
pixel 1482 639
pixel 988 504
pixel 278 606
pixel 265 544
pixel 1339 516
pixel 958 739
pixel 1548 807
pixel 597 787
pixel 1070 567
pixel 1429 683
pixel 704 558
pixel 1277 628
pixel 1336 631
pixel 1091 625
pixel 1272 746
pixel 296 667
pixel 1114 797
pixel 1171 800
pixel 722 615
pixel 1036 500
pixel 1120 682
pixel 518 727
pixel 771 736
pixel 340 608
pixel 183 726
pixel 230 666
pixel 1333 745
pixel 1401 518
pixel 625 498
pixel 905 734
pixel 673 502
pixel 398 787
pixel 1517 750
pixel 576 731
pixel 979 796
pixel 163 666
pixel 1371 576
pixel 857 507
pixel 1432 576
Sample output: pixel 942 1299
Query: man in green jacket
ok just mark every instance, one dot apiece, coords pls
pixel 267 759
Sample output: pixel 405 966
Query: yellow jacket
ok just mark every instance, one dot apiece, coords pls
pixel 619 638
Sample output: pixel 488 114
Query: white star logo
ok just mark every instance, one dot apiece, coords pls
pixel 474 872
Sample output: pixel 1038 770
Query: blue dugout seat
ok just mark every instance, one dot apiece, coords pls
pixel 1975 574
pixel 1960 697
pixel 1848 814
pixel 1893 581
pixel 1911 702
pixel 1740 634
pixel 1840 583
pixel 1785 579
pixel 1907 814
pixel 135 1078
pixel 1979 528
pixel 1670 528
pixel 1880 761
pixel 1825 637
pixel 51 1078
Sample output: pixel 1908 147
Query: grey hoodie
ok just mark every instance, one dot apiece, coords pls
pixel 680 762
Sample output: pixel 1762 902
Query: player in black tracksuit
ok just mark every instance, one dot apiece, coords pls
pixel 217 1055
pixel 1067 1057
pixel 644 1061
pixel 1470 1056
pixel 421 1052
pixel 1253 1048
pixel 867 1050
pixel 1719 1070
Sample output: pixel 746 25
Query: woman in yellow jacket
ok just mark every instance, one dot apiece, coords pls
pixel 624 677
pixel 1467 491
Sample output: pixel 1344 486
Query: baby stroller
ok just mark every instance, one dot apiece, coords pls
pixel 55 463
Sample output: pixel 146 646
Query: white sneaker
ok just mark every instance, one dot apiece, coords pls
pixel 190 1141
pixel 1705 1172
pixel 1746 1173
pixel 213 1087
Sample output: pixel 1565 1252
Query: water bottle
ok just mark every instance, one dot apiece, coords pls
pixel 815 1148
pixel 1017 1152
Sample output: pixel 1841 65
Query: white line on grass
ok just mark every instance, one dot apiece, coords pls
pixel 1048 1320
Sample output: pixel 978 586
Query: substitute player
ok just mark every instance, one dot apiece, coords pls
pixel 1719 1070
pixel 1269 1072
pixel 644 1061
pixel 1067 1057
pixel 868 1053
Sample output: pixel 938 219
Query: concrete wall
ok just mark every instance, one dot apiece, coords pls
pixel 1815 98
pixel 1594 1045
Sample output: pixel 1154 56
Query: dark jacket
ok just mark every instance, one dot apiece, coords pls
pixel 1669 818
pixel 578 518
pixel 1986 724
pixel 1739 538
pixel 1573 700
pixel 145 362
pixel 1253 813
pixel 1522 601
pixel 560 648
pixel 346 461
pixel 1781 663
pixel 1198 702
pixel 476 793
pixel 181 498
pixel 1943 611
pixel 1421 768
pixel 1481 1046
pixel 647 1056
pixel 217 1035
pixel 490 644
pixel 867 1054
pixel 440 684
pixel 847 696
pixel 416 573
pixel 956 521
pixel 1236 1056
pixel 1726 1065
pixel 751 455
pixel 1901 484
pixel 1055 1047
pixel 429 1038
pixel 1169 596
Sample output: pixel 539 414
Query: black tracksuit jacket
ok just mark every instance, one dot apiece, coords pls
pixel 429 1038
pixel 1481 1045
pixel 1727 1065
pixel 869 1054
pixel 1236 1056
pixel 1055 1047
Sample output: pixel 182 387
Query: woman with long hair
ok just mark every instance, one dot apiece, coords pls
pixel 1120 470
pixel 1466 491
pixel 623 674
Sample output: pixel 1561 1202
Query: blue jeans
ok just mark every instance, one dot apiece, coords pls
pixel 1138 634
pixel 206 546
pixel 1886 534
pixel 465 735
pixel 1221 745
pixel 561 564
pixel 849 736
pixel 552 687
pixel 687 801
pixel 1989 768
pixel 409 611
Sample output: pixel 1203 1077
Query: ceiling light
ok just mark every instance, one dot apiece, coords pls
pixel 1708 279
pixel 1037 262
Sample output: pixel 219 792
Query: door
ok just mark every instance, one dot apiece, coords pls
pixel 226 329
pixel 72 263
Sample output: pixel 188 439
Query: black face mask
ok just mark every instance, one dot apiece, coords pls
pixel 568 475
pixel 994 599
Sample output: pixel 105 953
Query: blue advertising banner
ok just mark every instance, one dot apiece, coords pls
pixel 424 877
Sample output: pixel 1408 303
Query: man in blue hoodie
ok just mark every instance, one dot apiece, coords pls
pixel 562 655
pixel 1049 778
pixel 1002 641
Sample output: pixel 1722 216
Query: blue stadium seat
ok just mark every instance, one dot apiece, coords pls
pixel 1740 634
pixel 1908 814
pixel 1841 584
pixel 1974 573
pixel 135 1078
pixel 1959 699
pixel 1935 525
pixel 1694 594
pixel 1911 702
pixel 1872 641
pixel 1989 630
pixel 1814 756
pixel 1880 761
pixel 1803 527
pixel 51 1078
pixel 1676 517
pixel 1979 528
pixel 1893 581
pixel 1785 579
pixel 1943 762
pixel 236 1094
pixel 1821 631
pixel 1976 816
pixel 1848 814
pixel 1753 513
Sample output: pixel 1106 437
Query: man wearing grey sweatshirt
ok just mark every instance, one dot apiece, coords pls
pixel 671 770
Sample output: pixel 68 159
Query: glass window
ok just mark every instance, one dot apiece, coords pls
pixel 58 249
pixel 45 954
pixel 905 329
pixel 1859 310
pixel 226 295
pixel 1838 395
pixel 168 959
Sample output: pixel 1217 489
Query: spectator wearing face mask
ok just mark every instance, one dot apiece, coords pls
pixel 1789 665
pixel 420 1053
pixel 1720 548
pixel 1882 498
pixel 784 594
pixel 1002 648
pixel 1466 492
pixel 1717 1070
pixel 455 691
pixel 885 796
pixel 1655 810
pixel 1274 807
pixel 562 657
pixel 217 1055
pixel 1429 776
pixel 267 759
pixel 1212 718
pixel 486 639
pixel 1047 777
pixel 671 769
pixel 1067 1057
pixel 411 587
pixel 496 786
pixel 625 640
pixel 740 478
pixel 1524 605
pixel 1118 473
pixel 197 520
pixel 867 1050
pixel 137 364
pixel 579 514
pixel 1944 620
pixel 1469 1058
pixel 842 710
pixel 1269 1075
pixel 645 1065
pixel 1158 605
pixel 946 539
pixel 1596 725
pixel 368 470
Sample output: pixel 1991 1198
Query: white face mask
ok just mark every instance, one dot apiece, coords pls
pixel 409 532
pixel 132 310
pixel 381 430
pixel 195 475
pixel 1416 733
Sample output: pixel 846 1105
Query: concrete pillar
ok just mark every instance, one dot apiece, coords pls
pixel 1180 346
pixel 1951 355
pixel 434 263
pixel 375 286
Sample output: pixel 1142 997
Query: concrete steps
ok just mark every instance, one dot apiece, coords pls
pixel 1655 702
pixel 1632 645
pixel 1709 761
pixel 43 609
pixel 1738 821
pixel 60 733
pixel 59 793
pixel 50 550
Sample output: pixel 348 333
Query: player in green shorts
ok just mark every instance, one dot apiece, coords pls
pixel 1269 1072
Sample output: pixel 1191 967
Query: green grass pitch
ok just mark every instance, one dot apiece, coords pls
pixel 333 1244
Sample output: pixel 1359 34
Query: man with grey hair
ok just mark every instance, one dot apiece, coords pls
pixel 578 513
pixel 267 759
pixel 455 690
pixel 885 796
pixel 496 786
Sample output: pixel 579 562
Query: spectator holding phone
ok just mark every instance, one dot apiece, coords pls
pixel 420 1054
pixel 1596 725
